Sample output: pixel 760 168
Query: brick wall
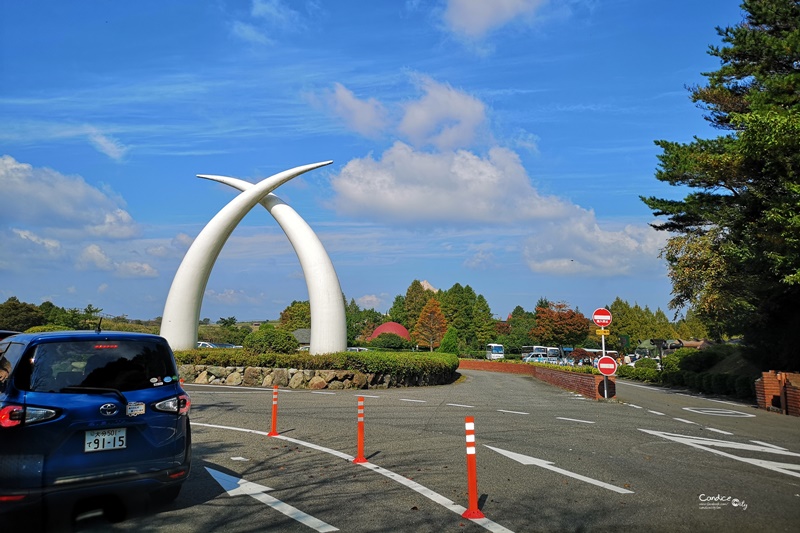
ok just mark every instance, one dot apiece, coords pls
pixel 779 391
pixel 589 385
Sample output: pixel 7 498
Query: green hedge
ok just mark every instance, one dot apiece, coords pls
pixel 398 364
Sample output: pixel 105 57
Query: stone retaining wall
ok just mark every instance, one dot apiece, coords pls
pixel 300 379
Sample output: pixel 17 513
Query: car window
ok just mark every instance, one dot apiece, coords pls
pixel 10 353
pixel 115 364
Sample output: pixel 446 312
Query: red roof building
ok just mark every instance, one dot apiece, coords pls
pixel 391 327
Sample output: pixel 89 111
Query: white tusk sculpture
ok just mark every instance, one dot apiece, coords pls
pixel 181 315
pixel 328 322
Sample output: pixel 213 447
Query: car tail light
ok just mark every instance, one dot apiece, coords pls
pixel 11 415
pixel 179 404
pixel 14 415
pixel 4 498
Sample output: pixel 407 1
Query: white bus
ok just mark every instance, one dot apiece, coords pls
pixel 541 351
pixel 495 351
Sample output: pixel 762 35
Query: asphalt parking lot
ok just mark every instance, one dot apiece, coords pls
pixel 547 460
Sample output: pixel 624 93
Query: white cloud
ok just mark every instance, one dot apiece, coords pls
pixel 248 32
pixel 107 145
pixel 451 187
pixel 474 19
pixel 94 256
pixel 135 269
pixel 55 204
pixel 369 301
pixel 51 245
pixel 444 117
pixel 275 12
pixel 233 297
pixel 103 287
pixel 581 246
pixel 367 117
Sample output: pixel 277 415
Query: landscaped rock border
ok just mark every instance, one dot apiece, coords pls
pixel 300 379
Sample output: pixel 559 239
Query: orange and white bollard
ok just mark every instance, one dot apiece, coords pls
pixel 472 472
pixel 360 457
pixel 274 431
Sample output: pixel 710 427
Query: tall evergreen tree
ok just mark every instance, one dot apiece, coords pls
pixel 735 251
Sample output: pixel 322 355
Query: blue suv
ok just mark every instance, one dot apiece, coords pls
pixel 90 418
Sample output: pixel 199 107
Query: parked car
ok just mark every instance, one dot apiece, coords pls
pixel 225 345
pixel 203 344
pixel 89 420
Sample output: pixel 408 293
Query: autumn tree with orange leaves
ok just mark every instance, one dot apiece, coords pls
pixel 431 325
pixel 558 325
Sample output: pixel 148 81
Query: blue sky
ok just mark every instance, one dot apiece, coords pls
pixel 502 145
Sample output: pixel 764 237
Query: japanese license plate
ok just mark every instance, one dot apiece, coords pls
pixel 98 440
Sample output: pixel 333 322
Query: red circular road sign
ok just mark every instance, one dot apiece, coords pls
pixel 601 317
pixel 607 365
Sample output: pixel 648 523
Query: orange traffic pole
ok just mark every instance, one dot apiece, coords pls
pixel 274 431
pixel 360 457
pixel 472 472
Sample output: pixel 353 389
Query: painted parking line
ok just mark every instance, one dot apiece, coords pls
pixel 410 400
pixel 719 431
pixel 655 412
pixel 460 405
pixel 575 420
pixel 633 405
pixel 323 392
pixel 685 421
pixel 512 412
pixel 487 524
pixel 714 411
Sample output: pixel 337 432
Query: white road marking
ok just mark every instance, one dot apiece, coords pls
pixel 685 421
pixel 367 395
pixel 768 444
pixel 235 486
pixel 413 485
pixel 416 401
pixel 526 460
pixel 460 405
pixel 634 406
pixel 655 412
pixel 708 445
pixel 239 459
pixel 322 392
pixel 512 412
pixel 575 420
pixel 719 431
pixel 713 411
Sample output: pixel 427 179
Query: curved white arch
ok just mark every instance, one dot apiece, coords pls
pixel 182 309
pixel 328 321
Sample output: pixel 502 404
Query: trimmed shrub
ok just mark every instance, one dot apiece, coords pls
pixel 744 387
pixel 269 340
pixel 669 363
pixel 719 383
pixel 700 361
pixel 391 341
pixel 646 374
pixel 625 371
pixel 646 363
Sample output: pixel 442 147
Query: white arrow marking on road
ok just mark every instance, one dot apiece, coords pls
pixel 235 486
pixel 703 443
pixel 526 460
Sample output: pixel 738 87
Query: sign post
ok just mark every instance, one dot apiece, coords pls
pixel 602 318
pixel 607 365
